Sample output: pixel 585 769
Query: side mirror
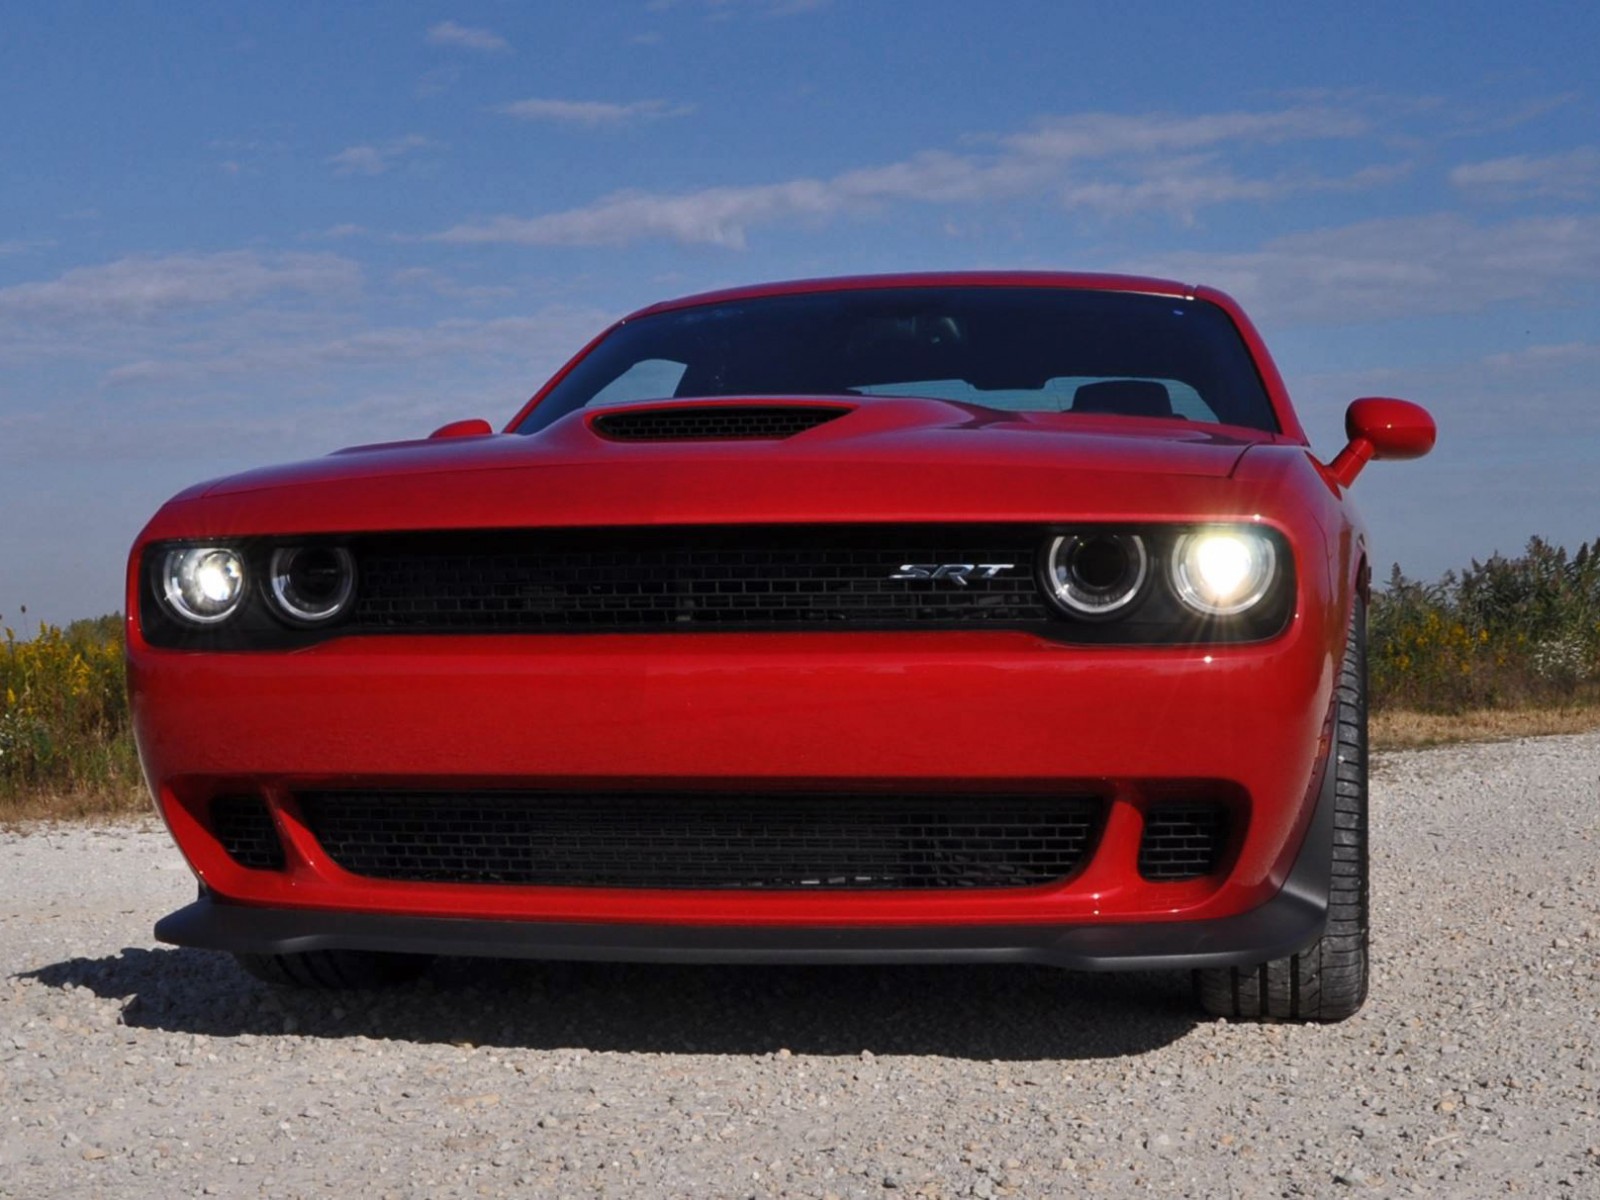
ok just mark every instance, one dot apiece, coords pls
pixel 475 427
pixel 1379 427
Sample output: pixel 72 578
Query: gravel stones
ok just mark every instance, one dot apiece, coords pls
pixel 127 1067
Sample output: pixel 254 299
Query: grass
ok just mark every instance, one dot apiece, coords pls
pixel 1407 729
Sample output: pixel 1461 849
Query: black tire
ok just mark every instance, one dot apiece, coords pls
pixel 335 970
pixel 1327 981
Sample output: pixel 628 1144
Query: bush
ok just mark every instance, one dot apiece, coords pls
pixel 64 714
pixel 1506 633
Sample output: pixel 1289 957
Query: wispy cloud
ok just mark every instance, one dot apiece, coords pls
pixel 24 246
pixel 441 284
pixel 724 9
pixel 1102 135
pixel 1185 186
pixel 377 158
pixel 592 113
pixel 1552 356
pixel 145 287
pixel 1145 163
pixel 1571 176
pixel 1398 267
pixel 467 37
pixel 543 337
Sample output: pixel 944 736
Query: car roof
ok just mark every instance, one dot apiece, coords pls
pixel 928 279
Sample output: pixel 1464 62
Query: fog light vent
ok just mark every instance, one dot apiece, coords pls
pixel 1182 841
pixel 244 827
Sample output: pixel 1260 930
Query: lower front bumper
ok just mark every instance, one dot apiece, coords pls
pixel 1282 926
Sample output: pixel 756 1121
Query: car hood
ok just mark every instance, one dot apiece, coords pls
pixel 880 459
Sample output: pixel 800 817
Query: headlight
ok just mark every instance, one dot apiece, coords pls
pixel 203 584
pixel 1221 572
pixel 312 584
pixel 1096 575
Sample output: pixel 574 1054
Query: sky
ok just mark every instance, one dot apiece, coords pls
pixel 234 234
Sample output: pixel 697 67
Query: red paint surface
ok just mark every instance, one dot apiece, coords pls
pixel 928 710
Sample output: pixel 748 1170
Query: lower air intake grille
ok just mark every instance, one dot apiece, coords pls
pixel 1182 841
pixel 244 827
pixel 628 840
pixel 713 422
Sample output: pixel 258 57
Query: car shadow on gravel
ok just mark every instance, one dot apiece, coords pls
pixel 989 1012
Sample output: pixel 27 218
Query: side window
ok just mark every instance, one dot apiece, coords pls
pixel 648 379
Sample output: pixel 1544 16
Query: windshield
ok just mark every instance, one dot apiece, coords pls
pixel 1017 349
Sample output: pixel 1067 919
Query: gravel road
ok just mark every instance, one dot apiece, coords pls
pixel 132 1069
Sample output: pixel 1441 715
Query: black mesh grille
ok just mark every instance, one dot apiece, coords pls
pixel 600 580
pixel 1182 841
pixel 682 423
pixel 245 829
pixel 626 840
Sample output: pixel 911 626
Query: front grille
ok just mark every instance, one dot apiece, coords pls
pixel 705 578
pixel 713 422
pixel 1182 841
pixel 708 841
pixel 244 827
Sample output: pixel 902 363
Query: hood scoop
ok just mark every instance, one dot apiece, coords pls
pixel 714 422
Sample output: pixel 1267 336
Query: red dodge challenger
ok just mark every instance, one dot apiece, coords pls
pixel 967 617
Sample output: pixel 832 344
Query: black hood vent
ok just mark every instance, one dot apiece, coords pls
pixel 711 422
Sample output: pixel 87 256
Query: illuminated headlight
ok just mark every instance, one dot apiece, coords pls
pixel 1221 572
pixel 312 585
pixel 203 584
pixel 1096 575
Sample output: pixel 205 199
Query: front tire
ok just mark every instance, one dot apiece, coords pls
pixel 1327 981
pixel 335 970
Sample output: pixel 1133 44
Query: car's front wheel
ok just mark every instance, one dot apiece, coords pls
pixel 1327 981
pixel 335 970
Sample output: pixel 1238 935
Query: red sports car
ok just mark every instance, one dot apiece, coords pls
pixel 984 617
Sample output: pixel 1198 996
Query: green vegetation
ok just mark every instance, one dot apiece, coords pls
pixel 1509 645
pixel 66 748
pixel 1510 633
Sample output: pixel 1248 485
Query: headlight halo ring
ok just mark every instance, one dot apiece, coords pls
pixel 204 585
pixel 1240 574
pixel 1076 589
pixel 289 600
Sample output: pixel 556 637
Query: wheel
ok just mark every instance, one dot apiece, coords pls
pixel 1327 981
pixel 333 970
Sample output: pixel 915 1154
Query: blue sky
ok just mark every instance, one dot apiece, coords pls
pixel 232 234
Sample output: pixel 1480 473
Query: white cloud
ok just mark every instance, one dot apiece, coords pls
pixel 1149 163
pixel 376 159
pixel 467 37
pixel 443 285
pixel 1571 176
pixel 24 246
pixel 724 9
pixel 1103 135
pixel 592 113
pixel 1182 187
pixel 544 337
pixel 715 216
pixel 1555 355
pixel 1397 267
pixel 144 287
